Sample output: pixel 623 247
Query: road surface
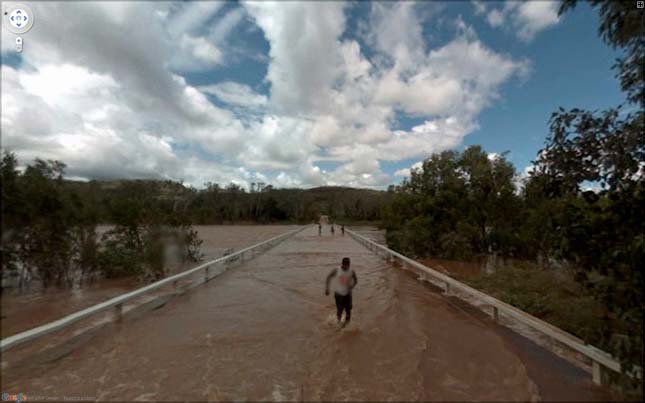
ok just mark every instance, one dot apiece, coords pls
pixel 264 330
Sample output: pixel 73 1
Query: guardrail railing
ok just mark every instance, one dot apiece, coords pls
pixel 117 302
pixel 600 359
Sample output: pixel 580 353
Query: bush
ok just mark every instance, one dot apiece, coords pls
pixel 548 294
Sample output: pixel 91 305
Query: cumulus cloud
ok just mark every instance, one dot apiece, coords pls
pixel 407 171
pixel 304 54
pixel 113 99
pixel 534 16
pixel 195 54
pixel 235 94
pixel 352 101
pixel 526 18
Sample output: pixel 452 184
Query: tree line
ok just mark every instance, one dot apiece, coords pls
pixel 50 228
pixel 582 204
pixel 265 204
pixel 59 232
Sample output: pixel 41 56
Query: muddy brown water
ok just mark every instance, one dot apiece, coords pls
pixel 265 331
pixel 25 310
pixel 460 269
pixel 456 268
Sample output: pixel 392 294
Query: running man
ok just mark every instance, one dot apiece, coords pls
pixel 344 282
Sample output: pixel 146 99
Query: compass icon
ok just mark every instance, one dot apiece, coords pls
pixel 18 18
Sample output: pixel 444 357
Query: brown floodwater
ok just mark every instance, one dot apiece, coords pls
pixel 459 269
pixel 25 310
pixel 265 331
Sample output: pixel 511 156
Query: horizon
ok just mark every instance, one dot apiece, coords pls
pixel 230 92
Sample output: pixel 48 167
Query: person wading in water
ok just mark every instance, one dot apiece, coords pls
pixel 344 280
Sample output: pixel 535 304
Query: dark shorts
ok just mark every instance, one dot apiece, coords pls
pixel 343 302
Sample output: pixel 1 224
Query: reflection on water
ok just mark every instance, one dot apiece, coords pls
pixel 372 233
pixel 21 311
pixel 456 268
pixel 262 332
pixel 265 331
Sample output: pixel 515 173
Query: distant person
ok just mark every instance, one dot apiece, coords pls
pixel 332 229
pixel 319 229
pixel 342 229
pixel 344 280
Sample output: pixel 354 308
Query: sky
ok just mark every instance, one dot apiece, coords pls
pixel 293 94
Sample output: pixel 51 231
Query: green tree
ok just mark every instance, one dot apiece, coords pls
pixel 456 205
pixel 601 232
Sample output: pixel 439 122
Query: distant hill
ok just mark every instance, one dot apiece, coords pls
pixel 232 203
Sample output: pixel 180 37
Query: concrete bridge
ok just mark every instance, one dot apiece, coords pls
pixel 264 330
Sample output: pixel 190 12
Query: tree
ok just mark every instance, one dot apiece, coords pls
pixel 601 232
pixel 456 205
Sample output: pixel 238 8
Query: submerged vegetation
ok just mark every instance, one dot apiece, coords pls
pixel 575 220
pixel 51 226
pixel 547 294
pixel 581 206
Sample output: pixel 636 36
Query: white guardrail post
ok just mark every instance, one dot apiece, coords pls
pixel 117 302
pixel 601 360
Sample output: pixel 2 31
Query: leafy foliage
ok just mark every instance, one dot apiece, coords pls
pixel 547 295
pixel 455 206
pixel 50 224
pixel 581 206
pixel 264 204
pixel 49 227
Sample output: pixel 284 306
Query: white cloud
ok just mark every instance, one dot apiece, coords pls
pixel 396 32
pixel 402 172
pixel 235 94
pixel 526 18
pixel 107 111
pixel 432 136
pixel 191 16
pixel 305 51
pixel 123 109
pixel 200 49
pixel 522 177
pixel 195 54
pixel 480 7
pixel 407 171
pixel 495 18
pixel 535 16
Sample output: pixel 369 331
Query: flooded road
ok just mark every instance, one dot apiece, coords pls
pixel 265 330
pixel 26 310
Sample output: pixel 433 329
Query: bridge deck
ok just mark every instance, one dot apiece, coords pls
pixel 265 331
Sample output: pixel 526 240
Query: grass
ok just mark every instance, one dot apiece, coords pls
pixel 549 294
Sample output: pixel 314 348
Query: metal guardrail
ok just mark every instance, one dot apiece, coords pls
pixel 117 302
pixel 598 357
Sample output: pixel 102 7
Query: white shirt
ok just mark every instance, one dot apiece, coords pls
pixel 343 281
